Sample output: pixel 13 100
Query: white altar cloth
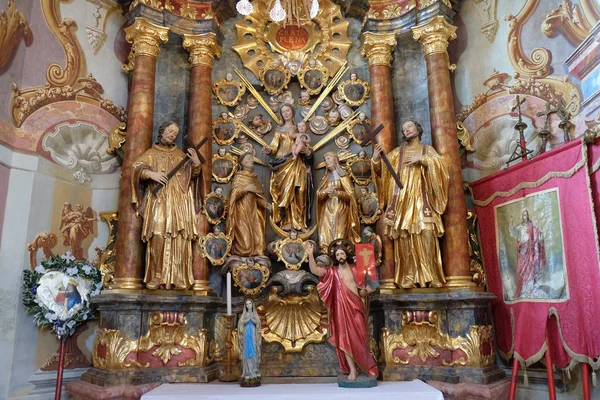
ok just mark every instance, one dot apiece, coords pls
pixel 414 390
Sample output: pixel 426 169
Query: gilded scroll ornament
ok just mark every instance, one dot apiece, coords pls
pixel 116 140
pixel 421 333
pixel 13 27
pixel 378 48
pixel 293 321
pixel 167 331
pixel 111 349
pixel 539 65
pixel 434 35
pixel 202 48
pixel 260 39
pixel 106 257
pixel 568 19
pixel 476 263
pixel 145 38
pixel 463 136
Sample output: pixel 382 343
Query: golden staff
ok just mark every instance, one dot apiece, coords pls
pixel 327 89
pixel 333 133
pixel 239 152
pixel 258 97
pixel 249 132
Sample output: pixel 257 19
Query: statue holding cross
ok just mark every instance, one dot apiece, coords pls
pixel 169 208
pixel 413 213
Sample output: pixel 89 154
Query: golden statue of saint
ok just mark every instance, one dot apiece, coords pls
pixel 413 214
pixel 291 182
pixel 169 216
pixel 246 221
pixel 337 210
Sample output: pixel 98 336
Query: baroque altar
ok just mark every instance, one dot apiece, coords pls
pixel 274 118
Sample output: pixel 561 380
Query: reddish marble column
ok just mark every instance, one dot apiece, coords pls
pixel 434 37
pixel 203 48
pixel 377 48
pixel 146 38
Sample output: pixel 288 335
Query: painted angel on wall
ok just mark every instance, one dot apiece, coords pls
pixel 75 226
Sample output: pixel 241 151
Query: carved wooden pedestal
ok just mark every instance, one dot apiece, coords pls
pixel 443 337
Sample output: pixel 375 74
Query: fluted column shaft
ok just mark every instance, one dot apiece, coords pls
pixel 378 48
pixel 202 48
pixel 145 38
pixel 434 37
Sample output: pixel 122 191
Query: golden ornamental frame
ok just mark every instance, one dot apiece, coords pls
pixel 224 82
pixel 357 180
pixel 245 267
pixel 350 128
pixel 229 157
pixel 279 252
pixel 355 103
pixel 236 130
pixel 205 239
pixel 272 67
pixel 324 71
pixel 375 217
pixel 208 217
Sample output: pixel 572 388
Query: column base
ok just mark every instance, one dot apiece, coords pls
pixel 135 284
pixel 387 286
pixel 462 282
pixel 202 288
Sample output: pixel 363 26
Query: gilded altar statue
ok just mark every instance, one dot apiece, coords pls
pixel 246 222
pixel 413 214
pixel 169 216
pixel 291 183
pixel 337 210
pixel 75 226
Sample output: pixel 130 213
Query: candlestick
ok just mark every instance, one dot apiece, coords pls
pixel 229 293
pixel 228 375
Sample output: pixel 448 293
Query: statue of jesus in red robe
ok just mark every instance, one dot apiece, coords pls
pixel 347 328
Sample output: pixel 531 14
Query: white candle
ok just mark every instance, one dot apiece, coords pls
pixel 229 293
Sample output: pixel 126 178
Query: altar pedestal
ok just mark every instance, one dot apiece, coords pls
pixel 155 338
pixel 443 337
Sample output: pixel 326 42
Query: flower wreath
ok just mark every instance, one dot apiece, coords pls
pixel 59 292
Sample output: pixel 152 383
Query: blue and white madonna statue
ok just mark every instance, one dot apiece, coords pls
pixel 249 339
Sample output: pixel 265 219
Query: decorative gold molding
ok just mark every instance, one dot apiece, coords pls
pixel 378 48
pixel 166 332
pixel 106 257
pixel 116 349
pixel 539 65
pixel 257 38
pixel 146 38
pixel 476 264
pixel 434 35
pixel 293 321
pixel 464 137
pixel 568 19
pixel 202 48
pixel 13 27
pixel 117 139
pixel 421 332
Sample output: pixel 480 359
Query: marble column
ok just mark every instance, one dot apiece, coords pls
pixel 434 37
pixel 145 38
pixel 202 48
pixel 378 48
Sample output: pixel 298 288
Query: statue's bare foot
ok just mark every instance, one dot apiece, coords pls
pixel 287 227
pixel 304 230
pixel 436 284
pixel 352 376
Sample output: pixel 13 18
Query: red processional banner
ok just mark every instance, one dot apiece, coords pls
pixel 540 249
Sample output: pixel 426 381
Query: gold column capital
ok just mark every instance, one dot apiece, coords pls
pixel 434 35
pixel 146 38
pixel 377 48
pixel 202 48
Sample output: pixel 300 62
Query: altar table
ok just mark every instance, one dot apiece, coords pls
pixel 414 390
